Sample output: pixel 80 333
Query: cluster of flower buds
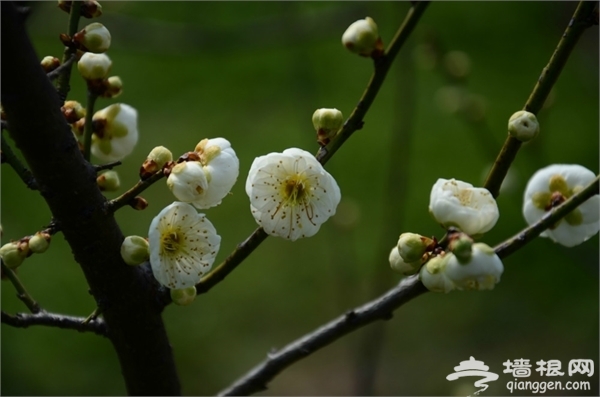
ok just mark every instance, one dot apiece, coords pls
pixel 94 68
pixel 466 266
pixel 14 253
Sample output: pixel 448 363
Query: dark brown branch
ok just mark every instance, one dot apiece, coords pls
pixel 59 70
pixel 125 294
pixel 25 320
pixel 379 309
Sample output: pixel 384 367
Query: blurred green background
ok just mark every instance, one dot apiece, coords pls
pixel 254 73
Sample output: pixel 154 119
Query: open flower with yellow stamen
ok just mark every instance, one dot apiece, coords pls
pixel 291 194
pixel 550 187
pixel 183 246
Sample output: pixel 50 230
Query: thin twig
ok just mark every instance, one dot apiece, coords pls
pixel 9 157
pixel 354 123
pixel 64 78
pixel 56 72
pixel 382 66
pixel 88 129
pixel 25 320
pixel 526 235
pixel 581 20
pixel 22 293
pixel 382 308
pixel 108 166
pixel 232 261
pixel 125 198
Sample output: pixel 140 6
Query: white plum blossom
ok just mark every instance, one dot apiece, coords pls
pixel 550 187
pixel 291 194
pixel 183 246
pixel 204 183
pixel 221 166
pixel 433 275
pixel 115 132
pixel 456 203
pixel 480 272
pixel 188 181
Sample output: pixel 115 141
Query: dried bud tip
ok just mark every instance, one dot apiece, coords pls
pixel 138 203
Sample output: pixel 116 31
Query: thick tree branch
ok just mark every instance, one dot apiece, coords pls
pixel 25 320
pixel 126 295
pixel 379 309
pixel 581 20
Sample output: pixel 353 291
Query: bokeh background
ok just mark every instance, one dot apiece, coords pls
pixel 254 73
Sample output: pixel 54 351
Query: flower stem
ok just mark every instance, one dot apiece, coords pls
pixel 65 76
pixel 525 236
pixel 22 293
pixel 9 156
pixel 125 198
pixel 88 131
pixel 581 20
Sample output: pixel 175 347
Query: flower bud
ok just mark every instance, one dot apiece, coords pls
pixel 39 242
pixel 115 132
pixel 94 66
pixel 49 63
pixel 108 181
pixel 327 122
pixel 93 38
pixel 462 248
pixel 113 87
pixel 156 160
pixel 523 125
pixel 411 246
pixel 398 264
pixel 183 297
pixel 135 250
pixel 14 253
pixel 362 38
pixel 73 111
pixel 433 274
